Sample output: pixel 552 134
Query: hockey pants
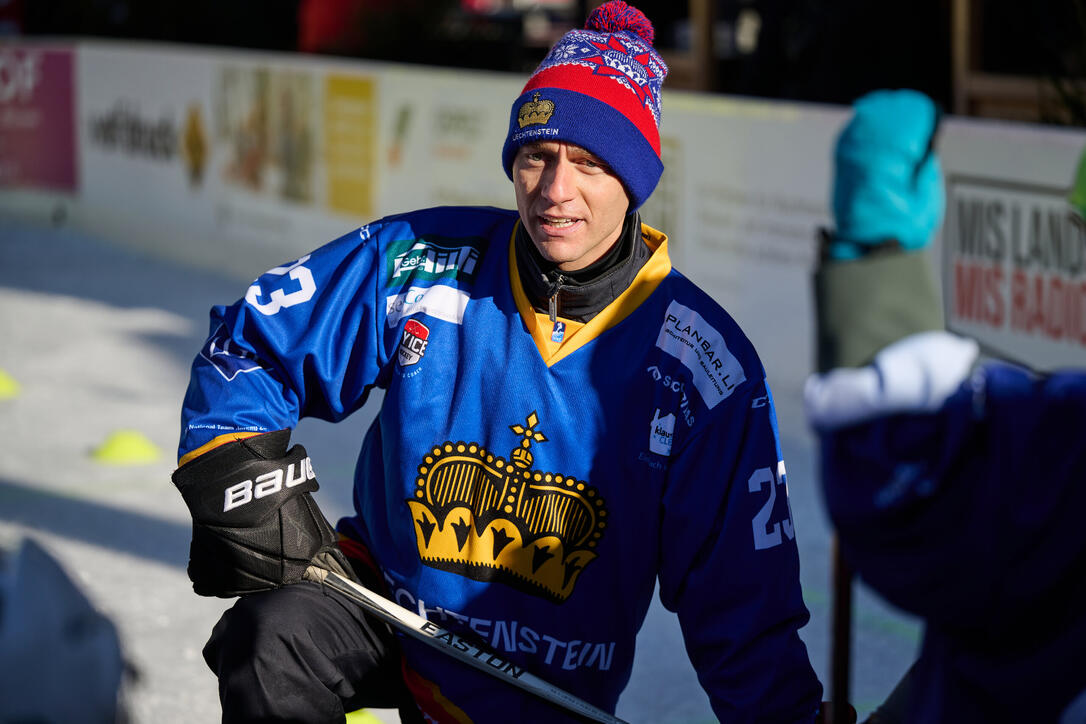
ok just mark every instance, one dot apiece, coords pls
pixel 303 653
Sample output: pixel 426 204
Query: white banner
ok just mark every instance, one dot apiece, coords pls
pixel 1013 249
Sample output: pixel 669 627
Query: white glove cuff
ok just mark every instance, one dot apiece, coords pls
pixel 914 374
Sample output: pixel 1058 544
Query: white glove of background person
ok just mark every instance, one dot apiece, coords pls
pixel 915 374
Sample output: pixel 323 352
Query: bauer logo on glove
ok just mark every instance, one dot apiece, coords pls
pixel 267 484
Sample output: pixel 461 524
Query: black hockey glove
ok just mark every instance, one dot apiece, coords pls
pixel 255 525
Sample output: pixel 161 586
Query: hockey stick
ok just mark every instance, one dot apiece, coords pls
pixel 841 643
pixel 466 650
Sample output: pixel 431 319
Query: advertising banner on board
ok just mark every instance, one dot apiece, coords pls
pixel 1014 246
pixel 38 147
pixel 241 160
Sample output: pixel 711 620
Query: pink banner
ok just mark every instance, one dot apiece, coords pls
pixel 37 118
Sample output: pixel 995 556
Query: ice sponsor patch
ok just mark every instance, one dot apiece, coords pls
pixel 686 336
pixel 439 301
pixel 413 342
pixel 228 359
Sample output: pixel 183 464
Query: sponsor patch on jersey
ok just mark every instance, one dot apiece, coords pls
pixel 228 359
pixel 675 385
pixel 432 258
pixel 686 336
pixel 439 301
pixel 661 433
pixel 413 342
pixel 559 332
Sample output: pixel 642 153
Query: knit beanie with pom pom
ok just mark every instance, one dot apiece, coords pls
pixel 598 88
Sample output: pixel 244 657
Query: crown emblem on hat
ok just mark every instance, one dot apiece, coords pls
pixel 535 111
pixel 494 519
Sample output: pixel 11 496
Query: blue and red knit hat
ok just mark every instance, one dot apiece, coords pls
pixel 598 88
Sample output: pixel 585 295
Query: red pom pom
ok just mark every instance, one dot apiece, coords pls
pixel 618 17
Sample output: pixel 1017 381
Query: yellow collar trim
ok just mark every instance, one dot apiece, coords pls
pixel 648 278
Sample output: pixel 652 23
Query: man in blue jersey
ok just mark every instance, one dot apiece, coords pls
pixel 567 422
pixel 955 486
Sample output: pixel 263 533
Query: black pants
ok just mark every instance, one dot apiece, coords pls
pixel 303 653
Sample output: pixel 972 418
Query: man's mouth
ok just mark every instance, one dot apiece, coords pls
pixel 558 222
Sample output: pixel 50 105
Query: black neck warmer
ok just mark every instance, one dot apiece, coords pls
pixel 581 295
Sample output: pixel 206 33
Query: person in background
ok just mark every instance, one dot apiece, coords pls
pixel 567 421
pixel 955 484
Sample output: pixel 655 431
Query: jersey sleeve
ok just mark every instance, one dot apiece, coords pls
pixel 303 341
pixel 730 567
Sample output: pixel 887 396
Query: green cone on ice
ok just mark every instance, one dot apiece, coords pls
pixel 9 388
pixel 126 447
pixel 362 717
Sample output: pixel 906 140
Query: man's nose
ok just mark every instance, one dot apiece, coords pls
pixel 558 182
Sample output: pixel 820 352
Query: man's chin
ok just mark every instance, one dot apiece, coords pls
pixel 556 251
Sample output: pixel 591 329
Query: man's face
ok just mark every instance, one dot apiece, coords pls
pixel 570 203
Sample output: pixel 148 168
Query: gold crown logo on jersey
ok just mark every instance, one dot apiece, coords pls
pixel 535 111
pixel 495 519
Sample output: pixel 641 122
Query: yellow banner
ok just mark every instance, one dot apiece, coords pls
pixel 350 128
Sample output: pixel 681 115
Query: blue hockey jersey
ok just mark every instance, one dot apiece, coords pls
pixel 529 487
